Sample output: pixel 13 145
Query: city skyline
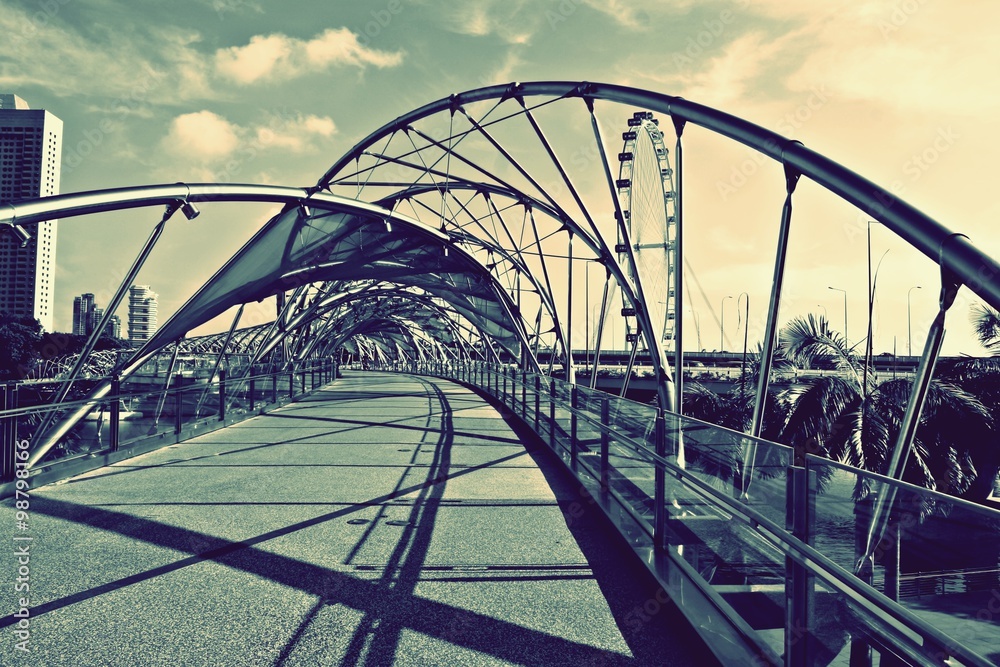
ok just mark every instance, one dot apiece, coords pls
pixel 232 92
pixel 87 315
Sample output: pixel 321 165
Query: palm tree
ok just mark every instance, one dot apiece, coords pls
pixel 986 321
pixel 980 376
pixel 845 418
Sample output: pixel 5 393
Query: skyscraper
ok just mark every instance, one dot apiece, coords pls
pixel 84 308
pixel 114 329
pixel 30 147
pixel 141 313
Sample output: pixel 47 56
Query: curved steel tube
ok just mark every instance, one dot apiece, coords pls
pixel 976 270
pixel 98 201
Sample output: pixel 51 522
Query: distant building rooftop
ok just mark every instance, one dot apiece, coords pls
pixel 10 101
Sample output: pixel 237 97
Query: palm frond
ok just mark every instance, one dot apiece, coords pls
pixel 806 339
pixel 986 323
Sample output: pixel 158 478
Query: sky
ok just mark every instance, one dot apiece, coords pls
pixel 902 92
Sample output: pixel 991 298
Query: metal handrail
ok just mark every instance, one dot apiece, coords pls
pixel 867 599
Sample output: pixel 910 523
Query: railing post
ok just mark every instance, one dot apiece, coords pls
pixel 552 413
pixel 222 395
pixel 799 583
pixel 114 416
pixel 574 404
pixel 8 431
pixel 252 393
pixel 538 400
pixel 660 482
pixel 605 441
pixel 274 388
pixel 178 403
pixel 524 395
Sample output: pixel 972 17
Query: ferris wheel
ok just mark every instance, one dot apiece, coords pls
pixel 648 199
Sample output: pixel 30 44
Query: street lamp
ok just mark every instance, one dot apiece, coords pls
pixel 837 289
pixel 909 339
pixel 746 331
pixel 722 324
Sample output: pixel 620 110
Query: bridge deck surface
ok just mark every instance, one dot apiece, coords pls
pixel 385 520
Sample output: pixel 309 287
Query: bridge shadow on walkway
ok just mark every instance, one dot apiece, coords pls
pixel 385 520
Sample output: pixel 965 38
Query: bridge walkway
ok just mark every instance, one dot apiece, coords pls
pixel 384 520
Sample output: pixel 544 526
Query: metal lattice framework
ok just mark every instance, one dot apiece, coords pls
pixel 460 230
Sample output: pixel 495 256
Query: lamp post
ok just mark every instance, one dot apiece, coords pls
pixel 847 344
pixel 746 331
pixel 909 338
pixel 722 324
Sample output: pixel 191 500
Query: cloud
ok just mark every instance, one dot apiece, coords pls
pixel 296 134
pixel 513 21
pixel 203 136
pixel 277 55
pixel 208 138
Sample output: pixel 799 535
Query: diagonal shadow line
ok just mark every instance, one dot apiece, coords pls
pixel 381 512
pixel 493 636
pixel 403 567
pixel 360 425
pixel 145 531
pixel 122 470
pixel 394 424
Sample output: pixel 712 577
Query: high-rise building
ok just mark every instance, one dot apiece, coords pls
pixel 87 315
pixel 84 308
pixel 30 147
pixel 114 329
pixel 141 313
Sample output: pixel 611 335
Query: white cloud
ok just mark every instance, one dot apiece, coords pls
pixel 206 138
pixel 203 136
pixel 295 134
pixel 256 60
pixel 278 55
pixel 513 21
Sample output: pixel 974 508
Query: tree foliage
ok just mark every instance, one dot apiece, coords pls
pixel 19 338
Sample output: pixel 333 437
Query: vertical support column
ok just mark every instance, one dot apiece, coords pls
pixel 178 403
pixel 274 388
pixel 252 393
pixel 538 400
pixel 114 416
pixel 524 396
pixel 799 583
pixel 660 483
pixel 771 329
pixel 8 431
pixel 605 441
pixel 891 558
pixel 552 413
pixel 911 418
pixel 678 268
pixel 574 402
pixel 570 375
pixel 222 395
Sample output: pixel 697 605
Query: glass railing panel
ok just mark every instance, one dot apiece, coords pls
pixel 89 436
pixel 939 556
pixel 634 420
pixel 147 402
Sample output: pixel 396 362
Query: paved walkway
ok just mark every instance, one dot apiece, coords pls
pixel 387 520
